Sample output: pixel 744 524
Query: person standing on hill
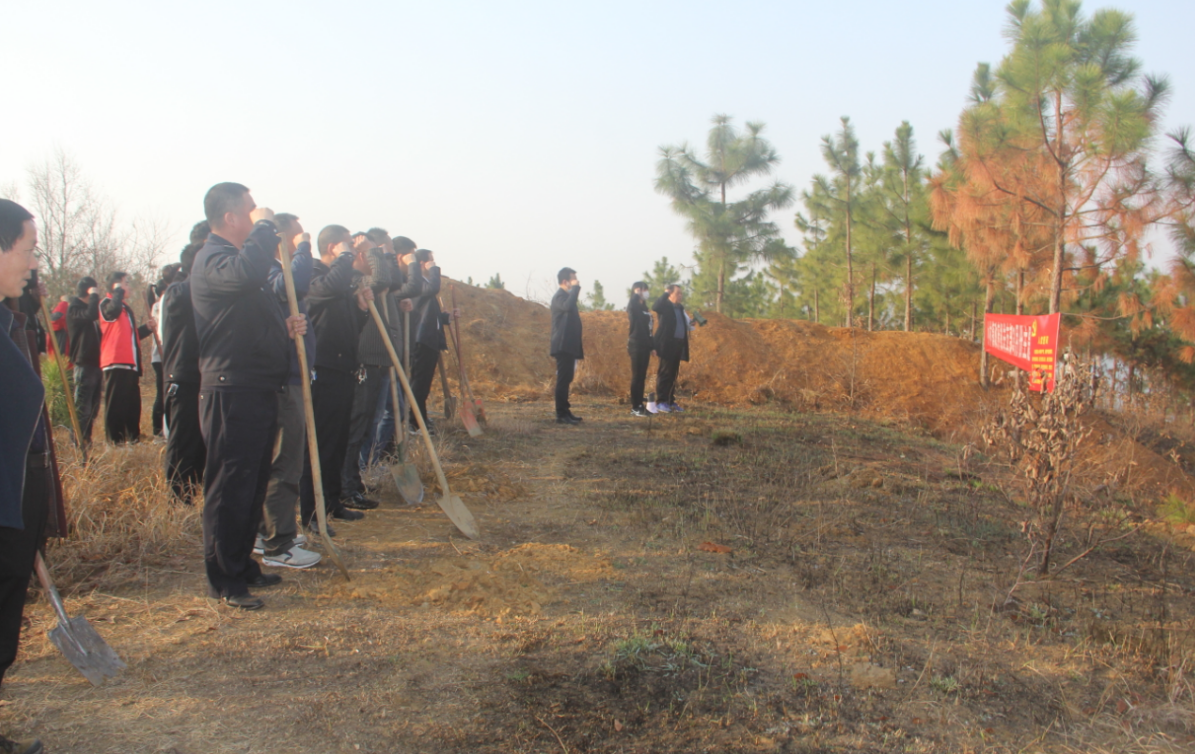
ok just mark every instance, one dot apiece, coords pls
pixel 82 321
pixel 639 345
pixel 153 297
pixel 672 346
pixel 566 341
pixel 62 341
pixel 120 359
pixel 23 442
pixel 186 455
pixel 243 363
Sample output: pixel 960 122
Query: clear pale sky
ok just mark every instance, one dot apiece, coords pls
pixel 508 137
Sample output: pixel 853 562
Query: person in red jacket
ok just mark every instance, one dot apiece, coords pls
pixel 58 327
pixel 120 360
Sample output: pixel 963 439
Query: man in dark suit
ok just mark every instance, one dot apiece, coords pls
pixel 82 322
pixel 672 346
pixel 566 341
pixel 639 345
pixel 427 328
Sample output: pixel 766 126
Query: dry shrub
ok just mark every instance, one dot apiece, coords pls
pixel 123 519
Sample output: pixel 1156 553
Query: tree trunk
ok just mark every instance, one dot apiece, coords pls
pixel 817 309
pixel 871 300
pixel 1060 231
pixel 850 264
pixel 988 298
pixel 909 290
pixel 721 286
pixel 1020 291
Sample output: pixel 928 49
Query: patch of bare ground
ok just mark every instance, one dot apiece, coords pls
pixel 722 580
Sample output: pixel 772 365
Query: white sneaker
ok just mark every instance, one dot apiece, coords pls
pixel 295 557
pixel 652 408
pixel 259 546
pixel 300 540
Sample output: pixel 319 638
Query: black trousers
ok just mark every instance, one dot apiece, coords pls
pixel 159 399
pixel 332 400
pixel 89 388
pixel 238 428
pixel 666 379
pixel 423 371
pixel 122 405
pixel 17 550
pixel 566 368
pixel 365 405
pixel 185 452
pixel 640 359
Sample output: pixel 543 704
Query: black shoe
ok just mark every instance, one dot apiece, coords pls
pixel 266 579
pixel 570 420
pixel 313 534
pixel 640 412
pixel 243 601
pixel 344 514
pixel 359 502
pixel 574 417
pixel 8 746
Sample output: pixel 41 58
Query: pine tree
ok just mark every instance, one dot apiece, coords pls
pixel 729 233
pixel 495 282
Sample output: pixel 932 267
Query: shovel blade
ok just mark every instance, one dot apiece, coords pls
pixel 406 478
pixel 456 511
pixel 469 420
pixel 86 650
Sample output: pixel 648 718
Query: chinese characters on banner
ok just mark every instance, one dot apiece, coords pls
pixel 1026 341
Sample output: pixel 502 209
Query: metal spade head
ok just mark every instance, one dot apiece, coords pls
pixel 406 478
pixel 86 650
pixel 456 511
pixel 469 420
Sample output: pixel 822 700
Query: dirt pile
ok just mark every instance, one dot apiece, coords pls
pixel 925 378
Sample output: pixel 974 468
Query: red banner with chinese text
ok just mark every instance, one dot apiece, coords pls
pixel 1026 341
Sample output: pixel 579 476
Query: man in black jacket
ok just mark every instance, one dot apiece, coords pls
pixel 337 309
pixel 82 323
pixel 672 346
pixel 186 455
pixel 427 326
pixel 393 293
pixel 243 363
pixel 639 345
pixel 566 341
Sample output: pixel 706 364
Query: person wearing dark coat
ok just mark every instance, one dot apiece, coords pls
pixel 639 345
pixel 25 446
pixel 338 310
pixel 243 362
pixel 672 346
pixel 390 287
pixel 566 344
pixel 427 327
pixel 82 322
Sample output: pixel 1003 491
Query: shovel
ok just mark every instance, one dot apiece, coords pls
pixel 406 476
pixel 76 638
pixel 452 505
pixel 449 399
pixel 468 418
pixel 466 388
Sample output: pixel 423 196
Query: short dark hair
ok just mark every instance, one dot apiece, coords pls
pixel 222 199
pixel 200 231
pixel 187 257
pixel 378 235
pixel 671 287
pixel 565 274
pixel 115 277
pixel 84 285
pixel 423 255
pixel 404 245
pixel 640 285
pixel 286 221
pixel 332 235
pixel 12 223
pixel 170 271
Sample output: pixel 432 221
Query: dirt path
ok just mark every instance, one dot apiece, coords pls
pixel 851 613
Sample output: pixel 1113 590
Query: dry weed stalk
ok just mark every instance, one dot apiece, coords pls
pixel 1041 437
